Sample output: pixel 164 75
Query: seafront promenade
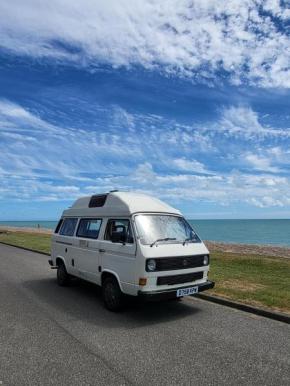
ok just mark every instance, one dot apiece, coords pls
pixel 263 250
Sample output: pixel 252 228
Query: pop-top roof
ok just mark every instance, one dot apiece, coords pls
pixel 118 204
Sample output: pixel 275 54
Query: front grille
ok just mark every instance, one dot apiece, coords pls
pixel 179 279
pixel 180 262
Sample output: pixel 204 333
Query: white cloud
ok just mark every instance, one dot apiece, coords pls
pixel 270 201
pixel 13 110
pixel 189 165
pixel 279 154
pixel 193 39
pixel 18 137
pixel 243 122
pixel 65 189
pixel 257 162
pixel 274 6
pixel 33 144
pixel 265 202
pixel 261 191
pixel 63 163
pixel 255 202
pixel 48 199
pixel 145 174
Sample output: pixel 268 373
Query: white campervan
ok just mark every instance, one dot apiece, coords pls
pixel 129 244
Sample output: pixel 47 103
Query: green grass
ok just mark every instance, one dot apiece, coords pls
pixel 35 241
pixel 252 279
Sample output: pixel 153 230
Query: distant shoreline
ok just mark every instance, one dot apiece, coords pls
pixel 264 250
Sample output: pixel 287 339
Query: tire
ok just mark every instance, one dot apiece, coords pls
pixel 63 278
pixel 112 295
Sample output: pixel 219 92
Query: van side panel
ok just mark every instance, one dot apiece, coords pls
pixel 85 253
pixel 120 259
pixel 62 246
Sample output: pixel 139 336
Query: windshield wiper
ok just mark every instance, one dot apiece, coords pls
pixel 189 238
pixel 166 239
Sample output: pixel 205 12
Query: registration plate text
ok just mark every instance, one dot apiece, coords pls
pixel 186 291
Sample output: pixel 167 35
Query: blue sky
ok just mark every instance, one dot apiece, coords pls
pixel 186 101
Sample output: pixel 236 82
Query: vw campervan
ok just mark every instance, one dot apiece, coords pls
pixel 129 244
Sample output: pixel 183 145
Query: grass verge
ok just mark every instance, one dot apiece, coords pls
pixel 256 280
pixel 35 241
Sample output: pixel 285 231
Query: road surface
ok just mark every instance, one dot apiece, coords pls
pixel 51 335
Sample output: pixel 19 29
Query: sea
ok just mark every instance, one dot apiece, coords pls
pixel 258 232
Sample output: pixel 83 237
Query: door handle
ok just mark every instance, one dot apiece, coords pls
pixel 102 250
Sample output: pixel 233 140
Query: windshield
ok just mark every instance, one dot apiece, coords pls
pixel 153 227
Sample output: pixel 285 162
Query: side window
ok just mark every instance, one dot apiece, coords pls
pixel 89 228
pixel 58 226
pixel 122 227
pixel 68 226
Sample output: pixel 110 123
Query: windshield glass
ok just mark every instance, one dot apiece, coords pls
pixel 153 227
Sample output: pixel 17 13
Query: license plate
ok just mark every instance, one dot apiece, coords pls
pixel 186 291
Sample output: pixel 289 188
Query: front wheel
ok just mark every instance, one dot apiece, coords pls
pixel 112 295
pixel 63 278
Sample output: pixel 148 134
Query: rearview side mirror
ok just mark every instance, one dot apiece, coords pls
pixel 129 239
pixel 116 237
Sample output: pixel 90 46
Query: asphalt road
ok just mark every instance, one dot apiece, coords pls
pixel 64 336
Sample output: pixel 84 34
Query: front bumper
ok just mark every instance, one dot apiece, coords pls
pixel 170 294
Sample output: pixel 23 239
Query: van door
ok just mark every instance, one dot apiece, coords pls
pixel 86 249
pixel 62 243
pixel 119 256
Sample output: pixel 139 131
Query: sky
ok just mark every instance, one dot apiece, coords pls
pixel 187 101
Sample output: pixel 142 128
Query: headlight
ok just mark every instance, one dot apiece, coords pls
pixel 205 260
pixel 151 265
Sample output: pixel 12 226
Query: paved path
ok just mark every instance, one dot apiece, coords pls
pixel 63 336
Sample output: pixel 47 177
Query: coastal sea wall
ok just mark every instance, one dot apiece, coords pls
pixel 264 250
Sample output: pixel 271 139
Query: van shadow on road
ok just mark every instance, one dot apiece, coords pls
pixel 82 300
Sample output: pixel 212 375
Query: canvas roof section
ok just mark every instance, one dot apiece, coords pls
pixel 120 204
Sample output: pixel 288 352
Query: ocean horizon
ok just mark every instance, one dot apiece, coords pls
pixel 257 232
